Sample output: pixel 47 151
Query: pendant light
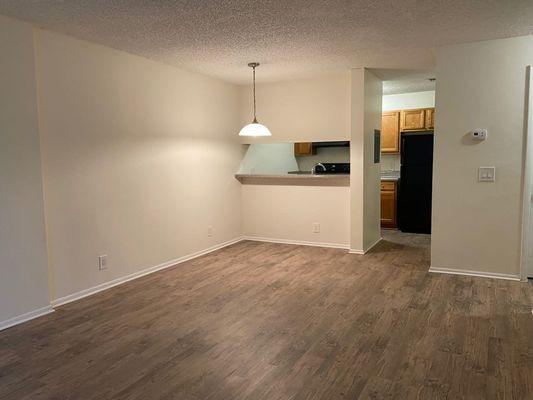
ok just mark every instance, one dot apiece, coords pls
pixel 255 128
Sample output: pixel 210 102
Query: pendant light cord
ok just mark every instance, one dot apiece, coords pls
pixel 255 117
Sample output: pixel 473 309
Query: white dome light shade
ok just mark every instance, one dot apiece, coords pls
pixel 255 129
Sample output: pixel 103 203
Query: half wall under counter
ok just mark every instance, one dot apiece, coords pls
pixel 295 179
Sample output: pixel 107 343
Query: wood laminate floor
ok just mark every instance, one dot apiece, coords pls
pixel 273 321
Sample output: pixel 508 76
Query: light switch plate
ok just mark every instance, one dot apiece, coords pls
pixel 486 174
pixel 102 262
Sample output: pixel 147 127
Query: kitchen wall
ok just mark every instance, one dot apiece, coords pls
pixel 287 213
pixel 139 160
pixel 269 159
pixel 403 101
pixel 476 226
pixel 366 108
pixel 406 101
pixel 23 266
pixel 302 110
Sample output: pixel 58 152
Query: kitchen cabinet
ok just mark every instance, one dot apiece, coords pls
pixel 304 149
pixel 413 120
pixel 390 132
pixel 389 194
pixel 417 120
pixel 430 118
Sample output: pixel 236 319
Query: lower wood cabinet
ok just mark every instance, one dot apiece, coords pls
pixel 389 195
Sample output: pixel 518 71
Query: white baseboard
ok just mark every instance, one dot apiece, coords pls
pixel 495 275
pixel 25 317
pixel 361 252
pixel 296 242
pixel 118 281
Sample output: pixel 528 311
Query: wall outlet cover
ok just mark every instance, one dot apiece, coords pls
pixel 486 174
pixel 102 262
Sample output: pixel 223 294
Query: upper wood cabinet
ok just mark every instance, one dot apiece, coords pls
pixel 417 120
pixel 430 118
pixel 412 120
pixel 390 132
pixel 304 149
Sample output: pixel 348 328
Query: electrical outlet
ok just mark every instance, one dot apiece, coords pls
pixel 486 174
pixel 316 227
pixel 210 230
pixel 102 262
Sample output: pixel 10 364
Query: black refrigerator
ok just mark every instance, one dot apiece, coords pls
pixel 416 170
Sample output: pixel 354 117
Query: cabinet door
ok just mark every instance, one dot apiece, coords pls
pixel 430 118
pixel 388 205
pixel 390 132
pixel 304 149
pixel 412 120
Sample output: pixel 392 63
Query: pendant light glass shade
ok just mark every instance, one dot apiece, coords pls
pixel 255 128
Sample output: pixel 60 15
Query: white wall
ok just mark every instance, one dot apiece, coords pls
pixel 139 159
pixel 404 101
pixel 288 213
pixel 303 110
pixel 366 105
pixel 23 265
pixel 476 226
pixel 312 109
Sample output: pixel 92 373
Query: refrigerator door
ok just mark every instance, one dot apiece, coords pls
pixel 417 148
pixel 414 202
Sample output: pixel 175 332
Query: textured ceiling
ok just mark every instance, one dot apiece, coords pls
pixel 289 38
pixel 405 80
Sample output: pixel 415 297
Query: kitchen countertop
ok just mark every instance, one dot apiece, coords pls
pixel 295 179
pixel 294 176
pixel 308 177
pixel 390 176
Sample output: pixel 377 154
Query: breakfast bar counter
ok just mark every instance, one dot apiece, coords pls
pixel 295 179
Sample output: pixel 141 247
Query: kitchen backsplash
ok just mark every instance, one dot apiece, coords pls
pixel 390 162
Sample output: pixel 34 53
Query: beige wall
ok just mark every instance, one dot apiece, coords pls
pixel 288 213
pixel 365 175
pixel 312 109
pixel 139 159
pixel 476 226
pixel 23 264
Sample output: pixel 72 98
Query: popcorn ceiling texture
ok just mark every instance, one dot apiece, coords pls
pixel 290 38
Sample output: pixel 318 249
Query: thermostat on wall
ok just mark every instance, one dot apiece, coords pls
pixel 479 134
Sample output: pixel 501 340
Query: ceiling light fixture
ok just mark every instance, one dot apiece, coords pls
pixel 255 128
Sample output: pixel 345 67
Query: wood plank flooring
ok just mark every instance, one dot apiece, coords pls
pixel 272 321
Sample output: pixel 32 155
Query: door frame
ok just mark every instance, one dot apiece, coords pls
pixel 526 267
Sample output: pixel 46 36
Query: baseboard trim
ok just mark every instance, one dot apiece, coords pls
pixel 19 319
pixel 118 281
pixel 296 242
pixel 362 252
pixel 494 275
